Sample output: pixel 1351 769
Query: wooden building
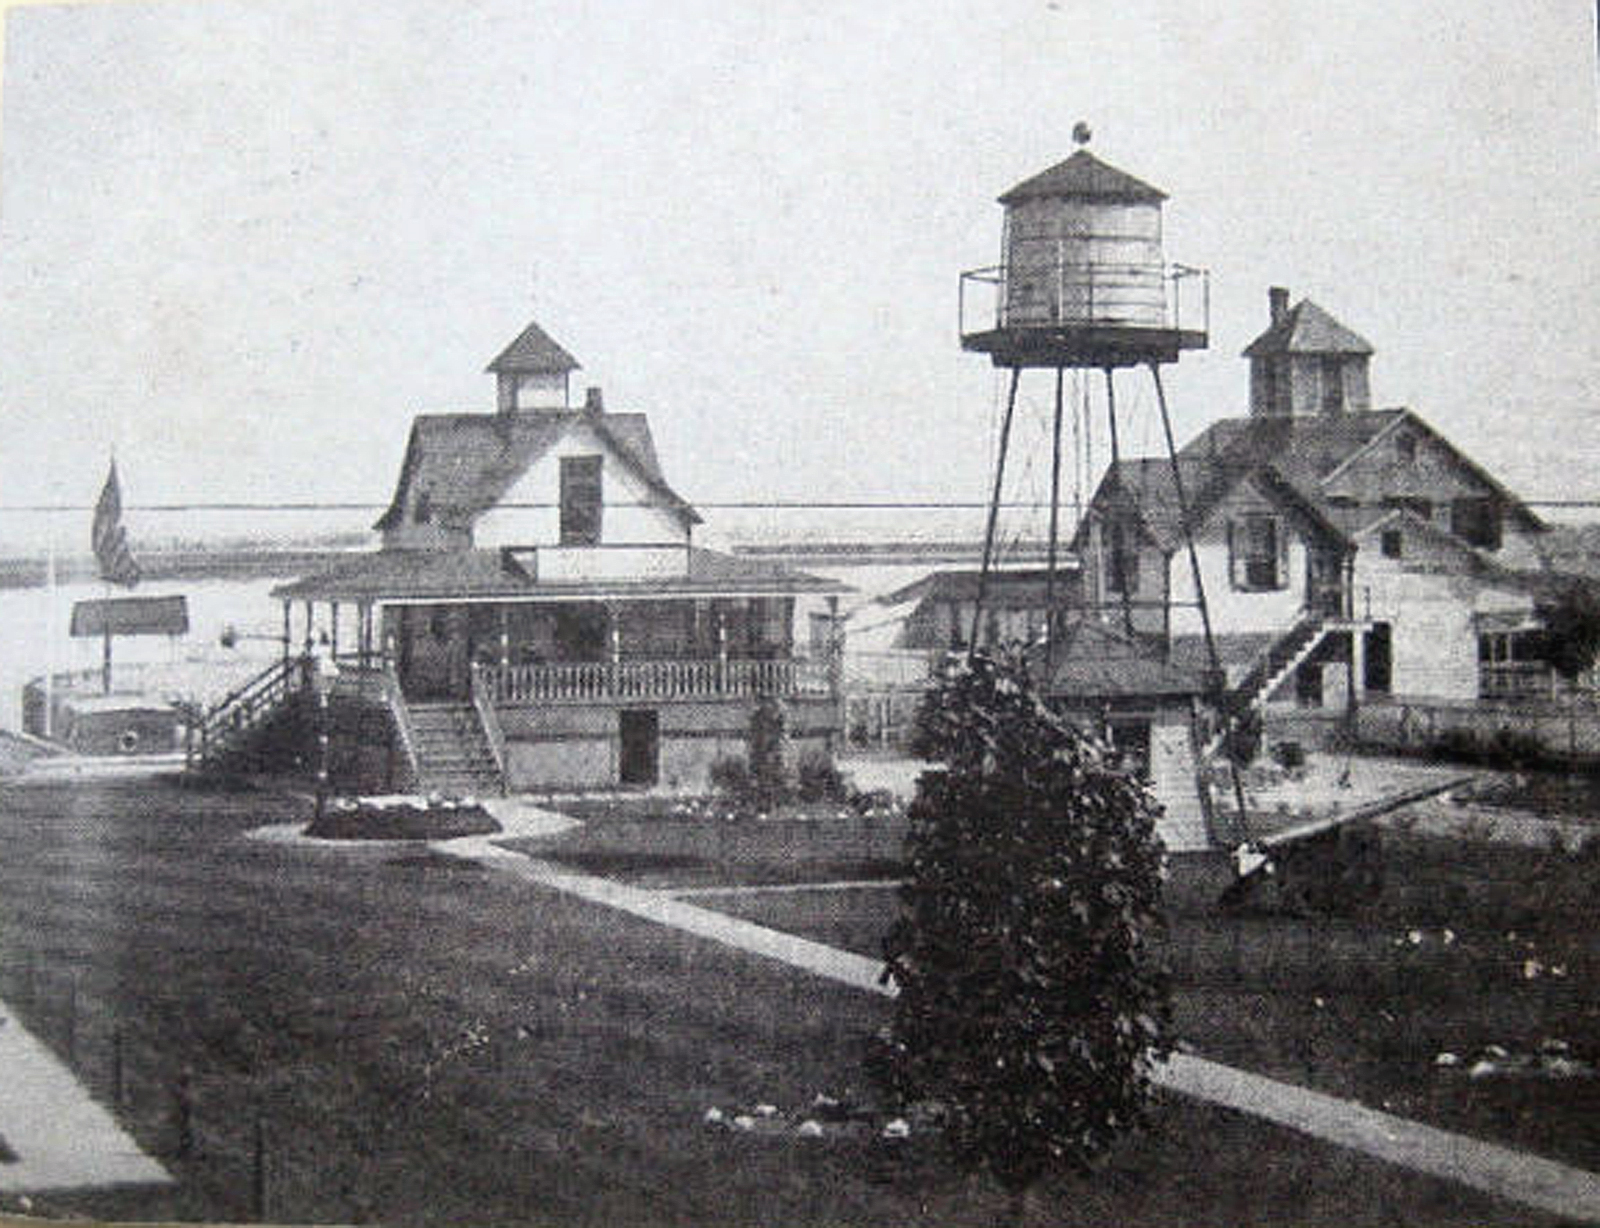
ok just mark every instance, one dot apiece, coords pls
pixel 539 615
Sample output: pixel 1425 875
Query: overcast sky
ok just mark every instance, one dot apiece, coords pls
pixel 246 242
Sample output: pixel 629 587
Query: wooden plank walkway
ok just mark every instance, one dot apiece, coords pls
pixel 60 1137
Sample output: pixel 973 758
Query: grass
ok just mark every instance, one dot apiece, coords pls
pixel 424 1041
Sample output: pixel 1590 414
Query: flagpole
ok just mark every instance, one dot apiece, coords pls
pixel 52 608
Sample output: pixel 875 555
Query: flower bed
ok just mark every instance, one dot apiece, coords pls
pixel 401 817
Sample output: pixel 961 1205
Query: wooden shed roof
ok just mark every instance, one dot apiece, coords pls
pixel 131 616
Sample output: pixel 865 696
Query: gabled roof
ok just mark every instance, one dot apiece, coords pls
pixel 467 462
pixel 1307 329
pixel 1093 661
pixel 1298 454
pixel 534 352
pixel 487 575
pixel 1147 488
pixel 1084 175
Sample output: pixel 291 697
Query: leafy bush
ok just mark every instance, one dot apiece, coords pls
pixel 818 779
pixel 1290 756
pixel 1030 1002
pixel 730 777
pixel 768 741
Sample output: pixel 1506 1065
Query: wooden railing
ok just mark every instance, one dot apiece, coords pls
pixel 227 721
pixel 580 682
pixel 483 704
pixel 394 698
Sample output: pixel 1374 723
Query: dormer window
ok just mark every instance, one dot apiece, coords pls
pixel 580 500
pixel 1332 384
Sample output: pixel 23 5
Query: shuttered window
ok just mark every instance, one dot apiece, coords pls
pixel 580 501
pixel 1258 554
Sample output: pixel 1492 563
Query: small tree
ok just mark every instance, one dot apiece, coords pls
pixel 1572 629
pixel 769 746
pixel 1030 1003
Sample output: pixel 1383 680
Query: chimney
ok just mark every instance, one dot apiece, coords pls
pixel 1278 303
pixel 593 402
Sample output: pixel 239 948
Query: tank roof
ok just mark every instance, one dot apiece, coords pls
pixel 1084 175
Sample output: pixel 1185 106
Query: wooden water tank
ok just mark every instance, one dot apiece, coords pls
pixel 1083 249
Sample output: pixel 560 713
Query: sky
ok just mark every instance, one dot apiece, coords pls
pixel 243 242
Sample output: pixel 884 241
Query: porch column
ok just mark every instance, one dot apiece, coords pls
pixel 286 632
pixel 1358 666
pixel 333 638
pixel 505 635
pixel 308 627
pixel 722 652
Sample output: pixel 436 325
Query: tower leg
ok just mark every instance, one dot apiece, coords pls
pixel 1050 616
pixel 1116 460
pixel 994 513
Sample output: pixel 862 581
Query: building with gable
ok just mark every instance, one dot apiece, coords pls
pixel 1344 551
pixel 538 614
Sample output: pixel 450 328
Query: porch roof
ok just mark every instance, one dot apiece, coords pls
pixel 401 576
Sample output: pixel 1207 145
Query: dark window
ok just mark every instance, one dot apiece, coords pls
pixel 1392 543
pixel 1255 545
pixel 423 512
pixel 1122 559
pixel 1405 447
pixel 1477 522
pixel 1332 384
pixel 580 500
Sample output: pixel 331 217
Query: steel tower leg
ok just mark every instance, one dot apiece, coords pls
pixel 1051 620
pixel 994 514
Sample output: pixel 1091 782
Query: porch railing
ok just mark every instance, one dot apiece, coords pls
pixel 580 682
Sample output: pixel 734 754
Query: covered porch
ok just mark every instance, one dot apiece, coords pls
pixel 723 629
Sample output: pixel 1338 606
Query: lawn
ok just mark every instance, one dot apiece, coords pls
pixel 421 1041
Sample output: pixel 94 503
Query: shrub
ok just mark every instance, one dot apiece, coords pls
pixel 768 741
pixel 1030 1001
pixel 730 777
pixel 818 779
pixel 1290 756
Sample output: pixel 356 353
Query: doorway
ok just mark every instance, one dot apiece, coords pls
pixel 1379 670
pixel 640 758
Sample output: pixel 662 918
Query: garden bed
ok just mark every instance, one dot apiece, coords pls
pixel 401 818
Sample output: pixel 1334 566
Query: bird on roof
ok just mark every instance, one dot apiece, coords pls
pixel 1081 133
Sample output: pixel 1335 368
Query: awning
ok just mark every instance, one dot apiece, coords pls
pixel 131 616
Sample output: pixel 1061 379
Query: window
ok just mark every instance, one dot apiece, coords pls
pixel 1405 447
pixel 1332 384
pixel 1476 522
pixel 580 501
pixel 1392 543
pixel 1421 508
pixel 1122 559
pixel 1255 548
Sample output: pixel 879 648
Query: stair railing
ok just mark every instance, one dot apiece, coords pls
pixel 395 700
pixel 247 706
pixel 489 719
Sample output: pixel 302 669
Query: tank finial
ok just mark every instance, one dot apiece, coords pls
pixel 1081 133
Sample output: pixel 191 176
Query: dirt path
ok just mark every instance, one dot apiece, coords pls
pixel 1517 1176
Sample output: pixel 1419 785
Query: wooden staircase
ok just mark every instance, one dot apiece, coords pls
pixel 1271 670
pixel 454 755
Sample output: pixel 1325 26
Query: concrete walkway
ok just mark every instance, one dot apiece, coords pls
pixel 61 1138
pixel 1517 1176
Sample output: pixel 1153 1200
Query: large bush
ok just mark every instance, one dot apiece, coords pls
pixel 1030 1001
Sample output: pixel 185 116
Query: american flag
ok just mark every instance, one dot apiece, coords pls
pixel 117 564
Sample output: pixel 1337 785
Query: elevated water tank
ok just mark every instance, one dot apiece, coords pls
pixel 1083 247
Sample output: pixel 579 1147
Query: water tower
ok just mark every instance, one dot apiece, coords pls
pixel 1083 283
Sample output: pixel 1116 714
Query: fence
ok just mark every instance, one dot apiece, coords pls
pixel 584 682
